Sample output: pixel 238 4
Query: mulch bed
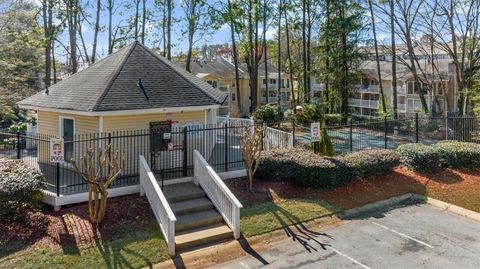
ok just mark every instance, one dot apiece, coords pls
pixel 460 187
pixel 71 226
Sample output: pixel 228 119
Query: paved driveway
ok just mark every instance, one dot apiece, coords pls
pixel 416 236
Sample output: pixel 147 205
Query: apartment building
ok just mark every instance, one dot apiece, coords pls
pixel 220 73
pixel 437 74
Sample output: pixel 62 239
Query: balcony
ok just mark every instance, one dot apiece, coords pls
pixel 270 86
pixel 270 100
pixel 367 88
pixel 318 86
pixel 363 103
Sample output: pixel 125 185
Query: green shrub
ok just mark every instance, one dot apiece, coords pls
pixel 372 162
pixel 333 119
pixel 310 112
pixel 303 167
pixel 458 154
pixel 20 189
pixel 419 157
pixel 266 113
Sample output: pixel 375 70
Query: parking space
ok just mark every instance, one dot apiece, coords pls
pixel 416 236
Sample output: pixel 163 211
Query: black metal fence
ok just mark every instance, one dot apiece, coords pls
pixel 170 155
pixel 389 134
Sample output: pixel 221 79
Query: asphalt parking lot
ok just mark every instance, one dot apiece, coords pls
pixel 415 236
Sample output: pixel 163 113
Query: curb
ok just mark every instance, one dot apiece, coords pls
pixel 469 214
pixel 382 205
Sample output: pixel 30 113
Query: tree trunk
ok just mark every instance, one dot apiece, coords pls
pixel 110 30
pixel 144 20
pixel 137 7
pixel 379 73
pixel 279 55
pixel 304 50
pixel 290 65
pixel 169 30
pixel 394 59
pixel 47 28
pixel 95 34
pixel 265 47
pixel 235 58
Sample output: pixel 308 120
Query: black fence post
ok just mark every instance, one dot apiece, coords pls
pixel 416 127
pixel 57 179
pixel 185 153
pixel 351 135
pixel 19 153
pixel 109 149
pixel 386 131
pixel 225 133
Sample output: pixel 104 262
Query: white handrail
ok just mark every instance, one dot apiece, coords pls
pixel 161 209
pixel 274 138
pixel 222 198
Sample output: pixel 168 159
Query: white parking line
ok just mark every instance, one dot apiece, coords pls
pixel 348 257
pixel 402 234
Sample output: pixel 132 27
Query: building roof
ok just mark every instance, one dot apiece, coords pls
pixel 224 69
pixel 134 77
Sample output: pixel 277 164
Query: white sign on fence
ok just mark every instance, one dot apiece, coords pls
pixel 56 150
pixel 315 131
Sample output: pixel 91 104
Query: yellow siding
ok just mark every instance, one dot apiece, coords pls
pixel 137 122
pixel 48 123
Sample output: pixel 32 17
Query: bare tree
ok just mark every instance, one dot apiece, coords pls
pixel 92 172
pixel 95 31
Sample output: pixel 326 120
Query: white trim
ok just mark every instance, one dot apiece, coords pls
pixel 60 125
pixel 122 112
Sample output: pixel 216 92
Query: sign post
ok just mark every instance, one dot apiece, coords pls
pixel 315 135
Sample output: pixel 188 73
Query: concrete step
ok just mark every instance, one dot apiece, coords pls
pixel 183 191
pixel 203 236
pixel 191 206
pixel 197 220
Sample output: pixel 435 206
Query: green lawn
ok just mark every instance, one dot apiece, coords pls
pixel 269 216
pixel 134 250
pixel 147 247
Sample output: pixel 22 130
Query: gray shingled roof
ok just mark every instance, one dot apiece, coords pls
pixel 112 84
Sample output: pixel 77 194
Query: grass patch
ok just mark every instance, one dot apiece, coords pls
pixel 270 216
pixel 135 250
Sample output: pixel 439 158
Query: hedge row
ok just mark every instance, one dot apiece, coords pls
pixel 307 169
pixel 452 154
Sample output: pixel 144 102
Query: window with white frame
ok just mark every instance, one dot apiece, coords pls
pixel 414 105
pixel 411 87
pixel 233 84
pixel 273 81
pixel 233 96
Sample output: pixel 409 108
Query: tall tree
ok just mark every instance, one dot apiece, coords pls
pixel 279 56
pixel 169 29
pixel 377 58
pixel 230 18
pixel 198 23
pixel 95 31
pixel 72 8
pixel 47 10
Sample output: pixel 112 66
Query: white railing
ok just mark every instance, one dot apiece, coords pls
pixel 235 121
pixel 161 209
pixel 270 100
pixel 367 88
pixel 275 139
pixel 363 103
pixel 222 198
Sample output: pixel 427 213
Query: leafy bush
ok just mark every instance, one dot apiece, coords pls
pixel 20 189
pixel 266 113
pixel 372 162
pixel 419 157
pixel 333 119
pixel 304 168
pixel 458 154
pixel 310 112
